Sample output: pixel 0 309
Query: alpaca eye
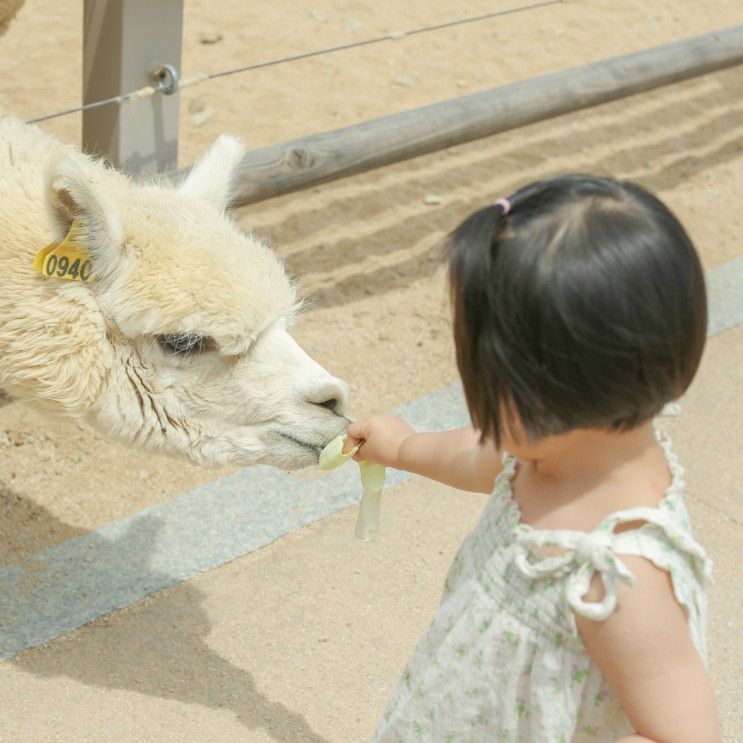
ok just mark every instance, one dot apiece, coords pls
pixel 185 344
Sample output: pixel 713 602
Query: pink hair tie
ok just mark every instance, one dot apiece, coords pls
pixel 504 204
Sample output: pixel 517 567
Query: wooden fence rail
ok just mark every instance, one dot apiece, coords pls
pixel 297 164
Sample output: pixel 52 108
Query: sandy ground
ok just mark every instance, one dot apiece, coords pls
pixel 302 641
pixel 365 250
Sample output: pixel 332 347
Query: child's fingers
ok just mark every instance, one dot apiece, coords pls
pixel 356 431
pixel 356 435
pixel 350 444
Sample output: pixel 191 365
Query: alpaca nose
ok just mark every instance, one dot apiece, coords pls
pixel 331 395
pixel 332 404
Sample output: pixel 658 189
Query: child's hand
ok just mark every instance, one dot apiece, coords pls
pixel 380 438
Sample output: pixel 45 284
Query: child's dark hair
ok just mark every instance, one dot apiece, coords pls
pixel 582 307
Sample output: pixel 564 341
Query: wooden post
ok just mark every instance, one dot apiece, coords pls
pixel 124 41
pixel 289 166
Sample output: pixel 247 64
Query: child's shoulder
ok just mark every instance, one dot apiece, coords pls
pixel 654 482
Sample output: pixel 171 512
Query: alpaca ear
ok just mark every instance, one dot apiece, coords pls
pixel 70 195
pixel 211 179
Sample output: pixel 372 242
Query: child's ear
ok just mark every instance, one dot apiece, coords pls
pixel 211 179
pixel 71 195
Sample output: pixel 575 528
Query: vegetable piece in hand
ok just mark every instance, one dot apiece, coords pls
pixel 372 483
pixel 333 456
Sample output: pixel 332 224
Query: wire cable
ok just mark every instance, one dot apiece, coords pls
pixel 151 90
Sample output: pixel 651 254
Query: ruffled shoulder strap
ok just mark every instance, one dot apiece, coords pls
pixel 663 536
pixel 666 541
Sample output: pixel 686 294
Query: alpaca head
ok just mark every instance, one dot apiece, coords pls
pixel 196 316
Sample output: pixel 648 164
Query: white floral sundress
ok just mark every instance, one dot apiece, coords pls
pixel 502 660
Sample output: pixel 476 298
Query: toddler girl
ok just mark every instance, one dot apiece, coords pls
pixel 575 610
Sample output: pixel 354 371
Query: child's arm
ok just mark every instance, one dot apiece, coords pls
pixel 455 458
pixel 646 654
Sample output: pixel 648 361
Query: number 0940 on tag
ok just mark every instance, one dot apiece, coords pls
pixel 69 265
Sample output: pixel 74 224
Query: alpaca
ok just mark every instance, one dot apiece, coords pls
pixel 180 342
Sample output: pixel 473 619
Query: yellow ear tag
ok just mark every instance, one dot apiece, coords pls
pixel 68 260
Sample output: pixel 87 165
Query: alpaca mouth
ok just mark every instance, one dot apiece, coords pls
pixel 314 448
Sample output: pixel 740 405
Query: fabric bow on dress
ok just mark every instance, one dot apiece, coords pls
pixel 589 553
pixel 585 555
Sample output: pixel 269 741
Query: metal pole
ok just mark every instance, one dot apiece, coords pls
pixel 289 166
pixel 124 42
